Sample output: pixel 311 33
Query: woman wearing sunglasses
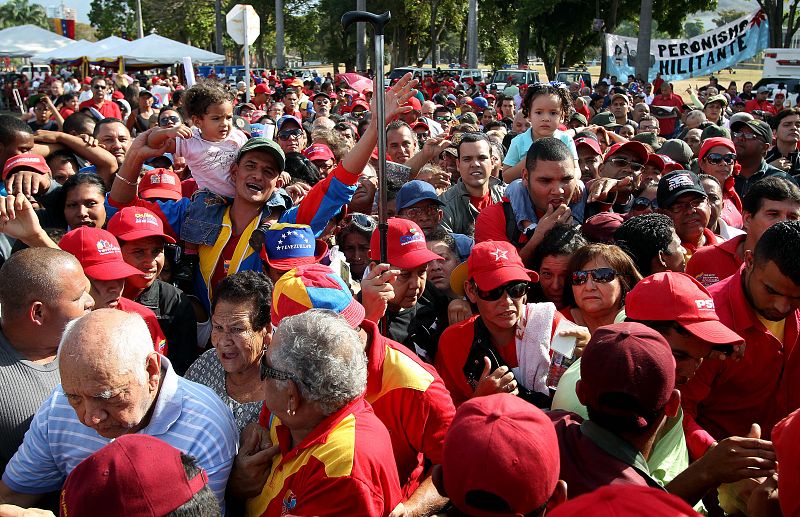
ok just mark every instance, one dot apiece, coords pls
pixel 600 275
pixel 717 157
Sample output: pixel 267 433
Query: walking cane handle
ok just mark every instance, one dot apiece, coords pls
pixel 376 20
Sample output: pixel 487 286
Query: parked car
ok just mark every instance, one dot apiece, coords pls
pixel 502 77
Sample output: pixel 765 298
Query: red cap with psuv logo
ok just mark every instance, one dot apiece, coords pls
pixel 160 184
pixel 680 298
pixel 135 222
pixel 318 152
pixel 405 245
pixel 31 161
pixel 98 252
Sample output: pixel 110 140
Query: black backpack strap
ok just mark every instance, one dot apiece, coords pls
pixel 512 232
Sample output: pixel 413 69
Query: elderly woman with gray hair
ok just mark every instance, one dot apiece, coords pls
pixel 331 452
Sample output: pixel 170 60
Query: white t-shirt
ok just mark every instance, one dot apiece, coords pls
pixel 210 162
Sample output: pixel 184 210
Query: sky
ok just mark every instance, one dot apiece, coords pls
pixel 743 5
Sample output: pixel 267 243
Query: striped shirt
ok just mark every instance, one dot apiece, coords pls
pixel 187 415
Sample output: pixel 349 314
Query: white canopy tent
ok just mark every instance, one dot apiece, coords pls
pixel 68 53
pixel 154 50
pixel 29 40
pixel 80 50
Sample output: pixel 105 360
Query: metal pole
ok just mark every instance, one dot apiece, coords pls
pixel 139 18
pixel 361 39
pixel 218 27
pixel 246 58
pixel 472 35
pixel 643 44
pixel 280 57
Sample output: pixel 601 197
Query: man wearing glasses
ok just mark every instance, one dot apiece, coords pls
pixel 753 139
pixel 683 199
pixel 487 353
pixel 619 177
pixel 98 101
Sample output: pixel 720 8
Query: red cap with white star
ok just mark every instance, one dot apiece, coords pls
pixel 495 263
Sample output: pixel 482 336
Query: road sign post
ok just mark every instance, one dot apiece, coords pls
pixel 244 27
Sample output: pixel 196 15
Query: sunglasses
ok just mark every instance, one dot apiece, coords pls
pixel 643 203
pixel 418 212
pixel 601 275
pixel 286 134
pixel 745 136
pixel 361 221
pixel 272 373
pixel 515 290
pixel 624 162
pixel 717 158
pixel 678 208
pixel 444 119
pixel 100 87
pixel 172 119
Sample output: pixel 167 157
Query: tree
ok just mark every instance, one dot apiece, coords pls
pixel 780 20
pixel 693 28
pixel 21 12
pixel 113 18
pixel 727 16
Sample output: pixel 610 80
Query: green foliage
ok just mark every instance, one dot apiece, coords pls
pixel 693 28
pixel 727 16
pixel 21 12
pixel 113 18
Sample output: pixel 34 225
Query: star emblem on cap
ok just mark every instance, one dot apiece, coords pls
pixel 499 254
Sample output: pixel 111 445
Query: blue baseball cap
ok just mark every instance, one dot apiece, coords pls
pixel 283 119
pixel 287 246
pixel 415 191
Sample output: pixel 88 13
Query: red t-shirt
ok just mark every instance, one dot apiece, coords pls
pixel 712 264
pixel 667 125
pixel 711 239
pixel 481 202
pixel 491 225
pixel 159 339
pixel 221 267
pixel 108 109
pixel 754 104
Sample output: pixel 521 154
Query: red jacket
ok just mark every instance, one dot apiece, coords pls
pixel 108 109
pixel 725 397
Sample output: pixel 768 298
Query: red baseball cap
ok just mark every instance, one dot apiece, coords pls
pixel 601 227
pixel 634 147
pixel 135 475
pixel 135 222
pixel 623 501
pixel 119 95
pixel 414 103
pixel 628 359
pixel 318 152
pixel 708 143
pixel 591 143
pixel 501 445
pixel 419 123
pixel 263 88
pixel 359 102
pixel 785 439
pixel 405 245
pixel 98 252
pixel 664 163
pixel 492 264
pixel 680 298
pixel 160 184
pixel 31 161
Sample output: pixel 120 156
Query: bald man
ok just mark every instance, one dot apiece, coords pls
pixel 41 290
pixel 113 383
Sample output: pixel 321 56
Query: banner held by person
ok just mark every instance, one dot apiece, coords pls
pixel 677 59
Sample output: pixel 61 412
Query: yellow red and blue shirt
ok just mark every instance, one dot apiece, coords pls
pixel 343 467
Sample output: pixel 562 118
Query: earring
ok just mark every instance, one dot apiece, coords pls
pixel 291 412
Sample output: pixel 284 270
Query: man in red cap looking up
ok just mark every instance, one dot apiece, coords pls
pixel 501 457
pixel 505 347
pixel 100 255
pixel 142 238
pixel 394 290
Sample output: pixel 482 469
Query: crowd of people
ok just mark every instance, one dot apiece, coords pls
pixel 589 301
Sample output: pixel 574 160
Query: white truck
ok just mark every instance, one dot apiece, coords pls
pixel 781 72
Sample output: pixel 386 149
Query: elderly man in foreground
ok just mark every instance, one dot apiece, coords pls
pixel 332 454
pixel 113 384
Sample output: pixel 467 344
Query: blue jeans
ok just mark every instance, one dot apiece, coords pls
pixel 203 220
